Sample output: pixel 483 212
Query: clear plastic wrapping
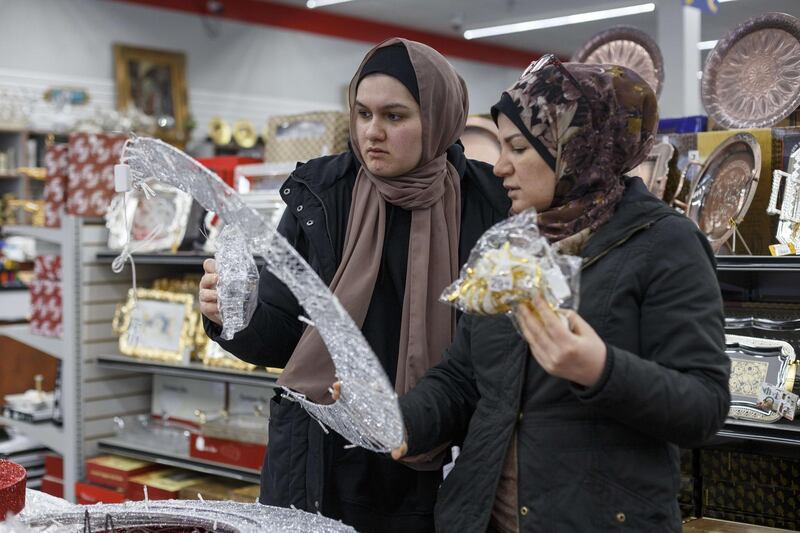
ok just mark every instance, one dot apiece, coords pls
pixel 508 265
pixel 173 515
pixel 237 288
pixel 368 414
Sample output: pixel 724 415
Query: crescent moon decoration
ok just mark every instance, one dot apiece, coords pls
pixel 367 413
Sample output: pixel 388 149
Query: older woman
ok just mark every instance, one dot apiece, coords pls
pixel 387 226
pixel 575 425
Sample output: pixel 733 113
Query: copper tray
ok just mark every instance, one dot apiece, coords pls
pixel 721 194
pixel 628 47
pixel 752 77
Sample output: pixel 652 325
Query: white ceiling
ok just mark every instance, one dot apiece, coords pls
pixel 452 17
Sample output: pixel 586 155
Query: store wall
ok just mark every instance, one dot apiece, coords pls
pixel 234 70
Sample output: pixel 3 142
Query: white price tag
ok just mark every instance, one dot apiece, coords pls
pixel 779 400
pixel 557 283
pixel 501 282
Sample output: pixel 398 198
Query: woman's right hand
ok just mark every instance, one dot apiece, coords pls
pixel 209 305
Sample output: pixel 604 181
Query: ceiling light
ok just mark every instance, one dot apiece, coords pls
pixel 706 45
pixel 559 21
pixel 311 4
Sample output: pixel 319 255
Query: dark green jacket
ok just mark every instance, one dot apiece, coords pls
pixel 588 459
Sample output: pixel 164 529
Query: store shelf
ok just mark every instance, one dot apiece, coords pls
pixel 193 370
pixel 46 433
pixel 776 433
pixel 127 449
pixel 22 333
pixel 52 235
pixel 757 263
pixel 166 258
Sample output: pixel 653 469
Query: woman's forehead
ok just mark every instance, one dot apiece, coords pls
pixel 381 90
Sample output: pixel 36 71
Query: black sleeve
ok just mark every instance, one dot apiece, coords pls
pixel 677 389
pixel 274 330
pixel 438 409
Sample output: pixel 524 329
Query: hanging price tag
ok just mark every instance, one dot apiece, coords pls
pixel 779 400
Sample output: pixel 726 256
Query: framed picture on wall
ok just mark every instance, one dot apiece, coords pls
pixel 154 82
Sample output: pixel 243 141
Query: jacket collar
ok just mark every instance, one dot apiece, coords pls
pixel 637 210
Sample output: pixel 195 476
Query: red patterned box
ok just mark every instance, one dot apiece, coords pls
pixel 56 160
pixel 88 494
pixel 47 267
pixel 46 308
pixel 92 157
pixel 232 452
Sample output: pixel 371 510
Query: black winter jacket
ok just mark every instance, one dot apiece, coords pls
pixel 318 197
pixel 597 459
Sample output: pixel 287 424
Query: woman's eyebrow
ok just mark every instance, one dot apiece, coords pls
pixel 393 105
pixel 512 137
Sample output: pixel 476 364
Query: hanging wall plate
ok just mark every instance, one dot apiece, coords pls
pixel 721 194
pixel 752 77
pixel 628 47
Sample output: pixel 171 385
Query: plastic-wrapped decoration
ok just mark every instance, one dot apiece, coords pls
pixel 509 264
pixel 237 288
pixel 178 515
pixel 368 414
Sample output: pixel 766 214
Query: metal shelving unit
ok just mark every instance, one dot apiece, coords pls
pixel 68 439
pixel 46 433
pixel 193 370
pixel 170 259
pixel 50 235
pixel 127 449
pixel 751 279
pixel 21 332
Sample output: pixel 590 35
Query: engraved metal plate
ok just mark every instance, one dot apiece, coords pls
pixel 628 47
pixel 771 361
pixel 752 77
pixel 721 194
pixel 654 169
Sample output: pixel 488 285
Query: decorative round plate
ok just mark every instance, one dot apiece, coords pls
pixel 628 47
pixel 752 77
pixel 722 192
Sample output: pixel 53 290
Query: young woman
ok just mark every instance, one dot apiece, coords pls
pixel 576 426
pixel 387 225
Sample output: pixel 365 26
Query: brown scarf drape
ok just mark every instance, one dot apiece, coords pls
pixel 432 192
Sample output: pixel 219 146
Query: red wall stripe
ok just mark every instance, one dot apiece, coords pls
pixel 346 27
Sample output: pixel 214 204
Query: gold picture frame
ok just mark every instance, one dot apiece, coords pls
pixel 166 325
pixel 154 82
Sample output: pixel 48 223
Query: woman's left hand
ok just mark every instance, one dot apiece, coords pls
pixel 568 349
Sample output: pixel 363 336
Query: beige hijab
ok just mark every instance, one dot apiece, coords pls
pixel 432 192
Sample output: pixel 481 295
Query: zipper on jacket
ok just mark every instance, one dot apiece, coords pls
pixel 592 260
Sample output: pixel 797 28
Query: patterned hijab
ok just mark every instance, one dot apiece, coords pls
pixel 590 134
